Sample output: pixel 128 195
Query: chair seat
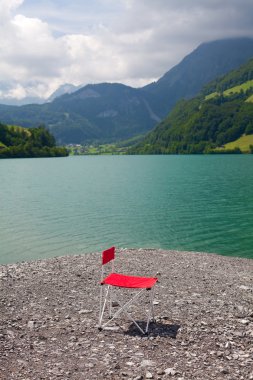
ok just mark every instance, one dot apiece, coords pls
pixel 124 281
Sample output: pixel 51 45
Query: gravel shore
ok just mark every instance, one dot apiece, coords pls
pixel 203 330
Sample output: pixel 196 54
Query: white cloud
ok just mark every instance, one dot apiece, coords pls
pixel 17 92
pixel 47 43
pixel 7 7
pixel 30 55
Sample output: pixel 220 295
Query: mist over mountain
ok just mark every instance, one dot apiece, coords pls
pixel 12 101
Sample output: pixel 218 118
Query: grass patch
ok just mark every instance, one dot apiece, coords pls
pixel 242 87
pixel 234 90
pixel 250 99
pixel 212 95
pixel 105 149
pixel 242 143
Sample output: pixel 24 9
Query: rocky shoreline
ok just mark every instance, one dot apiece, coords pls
pixel 203 330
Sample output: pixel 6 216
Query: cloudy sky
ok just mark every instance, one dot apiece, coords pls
pixel 46 43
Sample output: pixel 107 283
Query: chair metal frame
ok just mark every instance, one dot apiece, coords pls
pixel 116 280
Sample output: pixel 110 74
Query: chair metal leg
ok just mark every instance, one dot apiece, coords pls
pixel 103 308
pixel 152 305
pixel 110 302
pixel 123 308
pixel 151 309
pixel 100 303
pixel 109 297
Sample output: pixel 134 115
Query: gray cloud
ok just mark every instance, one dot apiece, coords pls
pixel 46 43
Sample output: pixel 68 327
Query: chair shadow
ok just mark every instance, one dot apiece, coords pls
pixel 156 329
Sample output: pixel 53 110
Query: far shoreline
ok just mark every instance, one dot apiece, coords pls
pixel 151 249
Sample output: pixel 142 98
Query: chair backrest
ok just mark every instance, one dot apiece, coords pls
pixel 108 255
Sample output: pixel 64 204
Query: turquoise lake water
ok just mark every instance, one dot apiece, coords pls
pixel 72 205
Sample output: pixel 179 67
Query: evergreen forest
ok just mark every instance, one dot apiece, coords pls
pixel 18 142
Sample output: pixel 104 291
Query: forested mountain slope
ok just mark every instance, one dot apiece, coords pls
pixel 209 61
pixel 221 113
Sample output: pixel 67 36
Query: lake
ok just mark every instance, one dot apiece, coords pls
pixel 74 205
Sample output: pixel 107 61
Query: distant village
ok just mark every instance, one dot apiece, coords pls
pixel 78 149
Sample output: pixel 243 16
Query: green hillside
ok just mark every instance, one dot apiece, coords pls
pixel 209 61
pixel 221 113
pixel 18 142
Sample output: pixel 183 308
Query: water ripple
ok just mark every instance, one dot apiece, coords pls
pixel 84 204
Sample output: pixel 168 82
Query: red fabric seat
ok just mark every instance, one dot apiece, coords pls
pixel 124 281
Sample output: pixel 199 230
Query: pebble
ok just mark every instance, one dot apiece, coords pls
pixel 170 371
pixel 84 311
pixel 243 287
pixel 31 324
pixel 147 363
pixel 245 321
pixel 50 316
pixel 225 371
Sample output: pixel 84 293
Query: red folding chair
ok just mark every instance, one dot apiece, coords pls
pixel 117 280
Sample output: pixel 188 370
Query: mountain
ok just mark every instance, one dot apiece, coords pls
pixel 208 61
pixel 103 112
pixel 222 113
pixel 66 88
pixel 109 112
